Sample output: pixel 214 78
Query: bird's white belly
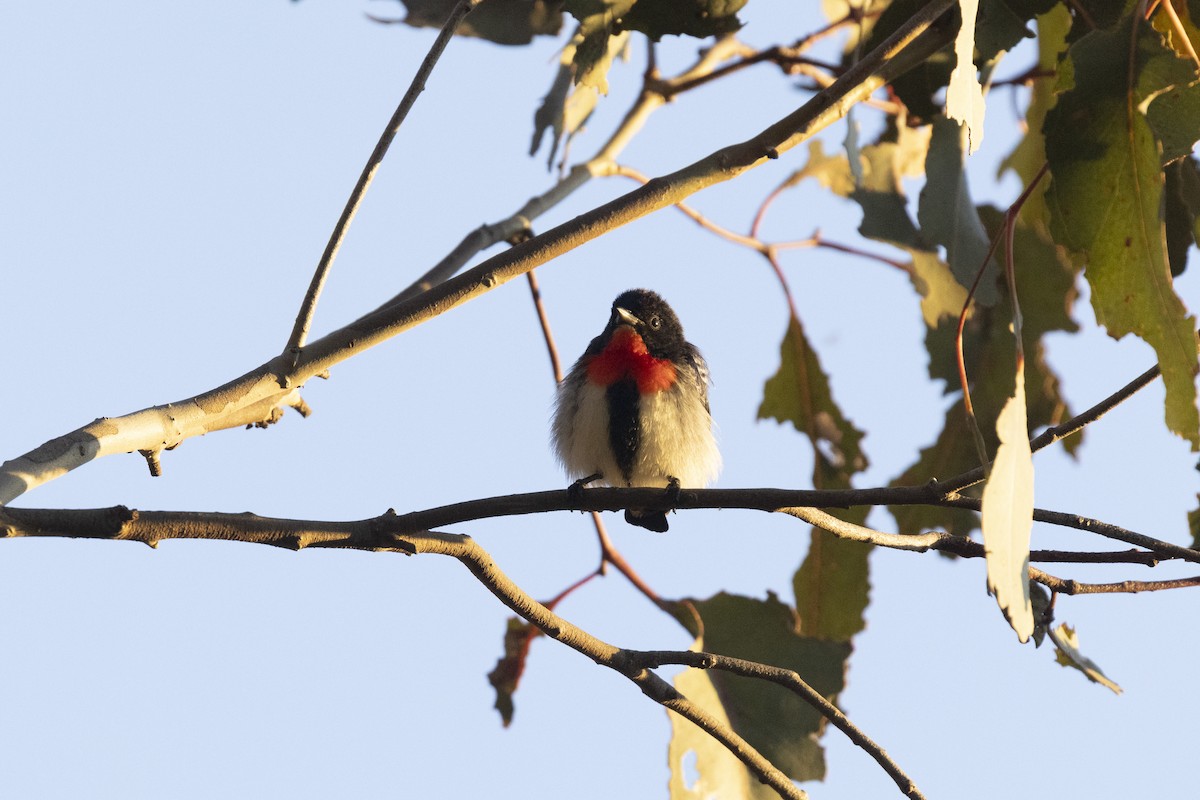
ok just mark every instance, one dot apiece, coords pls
pixel 675 440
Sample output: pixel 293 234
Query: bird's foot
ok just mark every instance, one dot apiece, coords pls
pixel 575 490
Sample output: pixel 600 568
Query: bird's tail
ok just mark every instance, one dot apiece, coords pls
pixel 650 520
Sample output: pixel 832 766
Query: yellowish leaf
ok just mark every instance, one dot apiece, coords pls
pixel 702 767
pixel 1008 514
pixel 1067 642
pixel 964 95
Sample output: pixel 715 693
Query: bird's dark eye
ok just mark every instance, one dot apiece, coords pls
pixel 655 322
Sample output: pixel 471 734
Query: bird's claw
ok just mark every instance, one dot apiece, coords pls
pixel 575 490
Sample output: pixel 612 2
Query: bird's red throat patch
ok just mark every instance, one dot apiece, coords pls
pixel 626 356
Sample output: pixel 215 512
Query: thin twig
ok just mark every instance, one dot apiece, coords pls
pixel 818 240
pixel 780 55
pixel 1105 529
pixel 309 305
pixel 1061 431
pixel 1010 276
pixel 547 336
pixel 1063 586
pixel 959 545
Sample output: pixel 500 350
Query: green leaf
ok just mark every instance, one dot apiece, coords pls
pixel 600 20
pixel 772 719
pixel 1045 277
pixel 1185 45
pixel 567 106
pixel 947 214
pixel 1174 116
pixel 1029 155
pixel 951 454
pixel 1068 655
pixel 1101 13
pixel 1007 514
pixel 799 393
pixel 830 170
pixel 832 586
pixel 698 18
pixel 1194 525
pixel 1003 23
pixel 900 152
pixel 518 636
pixel 1047 287
pixel 501 21
pixel 593 54
pixel 1181 214
pixel 1105 201
pixel 942 296
pixel 917 87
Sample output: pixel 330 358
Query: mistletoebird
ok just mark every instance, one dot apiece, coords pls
pixel 633 410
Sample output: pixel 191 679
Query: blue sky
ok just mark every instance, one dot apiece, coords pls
pixel 171 175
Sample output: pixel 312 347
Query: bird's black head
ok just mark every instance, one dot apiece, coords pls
pixel 650 316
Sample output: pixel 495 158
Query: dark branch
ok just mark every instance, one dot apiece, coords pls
pixel 1064 586
pixel 382 532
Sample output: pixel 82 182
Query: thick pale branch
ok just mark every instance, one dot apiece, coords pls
pixel 265 384
pixel 255 399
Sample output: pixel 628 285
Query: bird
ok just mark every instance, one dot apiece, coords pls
pixel 633 410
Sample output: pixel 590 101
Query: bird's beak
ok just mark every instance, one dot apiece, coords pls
pixel 626 318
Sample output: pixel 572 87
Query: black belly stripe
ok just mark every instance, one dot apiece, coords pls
pixel 624 431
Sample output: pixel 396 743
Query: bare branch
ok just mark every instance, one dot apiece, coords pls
pixel 152 526
pixel 309 305
pixel 1106 529
pixel 1063 586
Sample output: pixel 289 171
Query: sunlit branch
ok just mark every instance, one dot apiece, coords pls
pixel 960 545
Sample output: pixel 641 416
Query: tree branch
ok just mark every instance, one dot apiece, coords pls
pixel 1063 586
pixel 791 681
pixel 309 305
pixel 151 527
